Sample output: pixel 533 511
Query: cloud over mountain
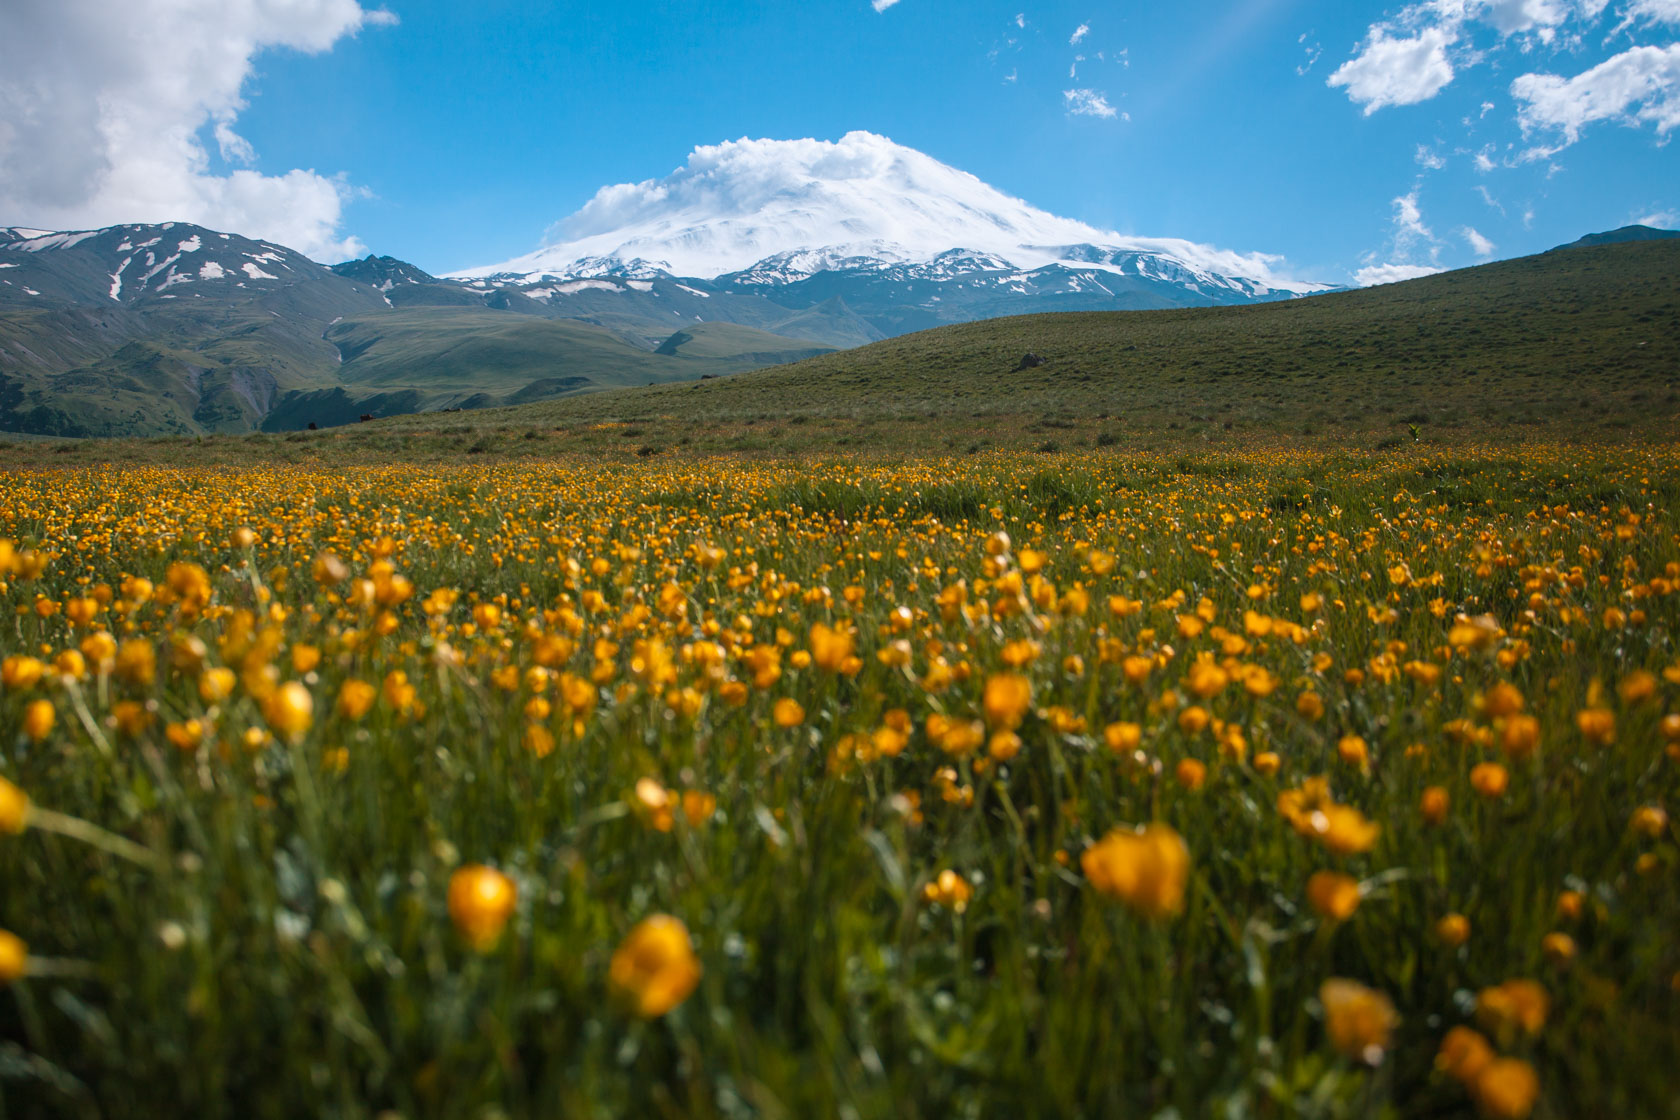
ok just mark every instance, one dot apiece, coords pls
pixel 102 107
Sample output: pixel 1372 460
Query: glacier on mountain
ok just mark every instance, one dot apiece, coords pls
pixel 780 211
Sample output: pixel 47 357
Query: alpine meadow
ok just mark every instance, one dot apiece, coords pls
pixel 820 636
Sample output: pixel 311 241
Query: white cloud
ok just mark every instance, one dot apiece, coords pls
pixel 1484 162
pixel 1313 53
pixel 1428 158
pixel 1479 245
pixel 1392 71
pixel 1408 222
pixel 1079 33
pixel 1413 56
pixel 1088 103
pixel 1392 273
pixel 1640 85
pixel 882 5
pixel 1513 16
pixel 1650 11
pixel 100 119
pixel 1660 219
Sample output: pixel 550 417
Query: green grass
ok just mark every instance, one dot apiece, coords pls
pixel 294 954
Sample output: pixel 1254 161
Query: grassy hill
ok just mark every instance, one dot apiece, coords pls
pixel 1575 343
pixel 733 341
pixel 418 360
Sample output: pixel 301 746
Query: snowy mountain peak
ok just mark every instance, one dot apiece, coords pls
pixel 798 207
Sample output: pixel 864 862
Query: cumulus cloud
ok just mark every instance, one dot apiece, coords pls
pixel 882 5
pixel 1088 103
pixel 1430 159
pixel 1392 273
pixel 1415 55
pixel 1661 219
pixel 100 119
pixel 1079 33
pixel 1639 86
pixel 1391 71
pixel 1479 245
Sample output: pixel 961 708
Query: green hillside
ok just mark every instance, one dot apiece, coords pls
pixel 441 358
pixel 1564 341
pixel 731 340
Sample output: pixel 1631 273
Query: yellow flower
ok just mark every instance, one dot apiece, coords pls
pixel 1514 1006
pixel 1344 830
pixel 1351 749
pixel 1122 736
pixel 1147 870
pixel 1520 736
pixel 654 803
pixel 1191 774
pixel 186 736
pixel 38 719
pixel 1433 805
pixel 1003 746
pixel 355 698
pixel 1597 726
pixel 1502 700
pixel 290 709
pixel 1453 930
pixel 1006 700
pixel 1358 1019
pixel 787 712
pixel 698 807
pixel 1649 821
pixel 137 662
pixel 14 957
pixel 1489 779
pixel 1463 1054
pixel 949 889
pixel 328 570
pixel 1559 948
pixel 1268 763
pixel 1506 1089
pixel 654 969
pixel 1637 687
pixel 830 647
pixel 1335 896
pixel 481 899
pixel 216 684
pixel 14 808
pixel 1207 679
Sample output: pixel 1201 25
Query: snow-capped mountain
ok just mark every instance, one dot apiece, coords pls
pixel 776 213
pixel 129 263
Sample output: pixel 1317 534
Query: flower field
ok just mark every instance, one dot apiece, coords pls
pixel 1267 784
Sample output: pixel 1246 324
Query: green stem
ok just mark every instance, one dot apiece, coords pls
pixel 91 834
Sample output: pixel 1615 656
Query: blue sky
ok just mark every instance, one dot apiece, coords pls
pixel 455 132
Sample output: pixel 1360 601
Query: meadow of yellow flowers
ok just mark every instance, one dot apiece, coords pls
pixel 1272 784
